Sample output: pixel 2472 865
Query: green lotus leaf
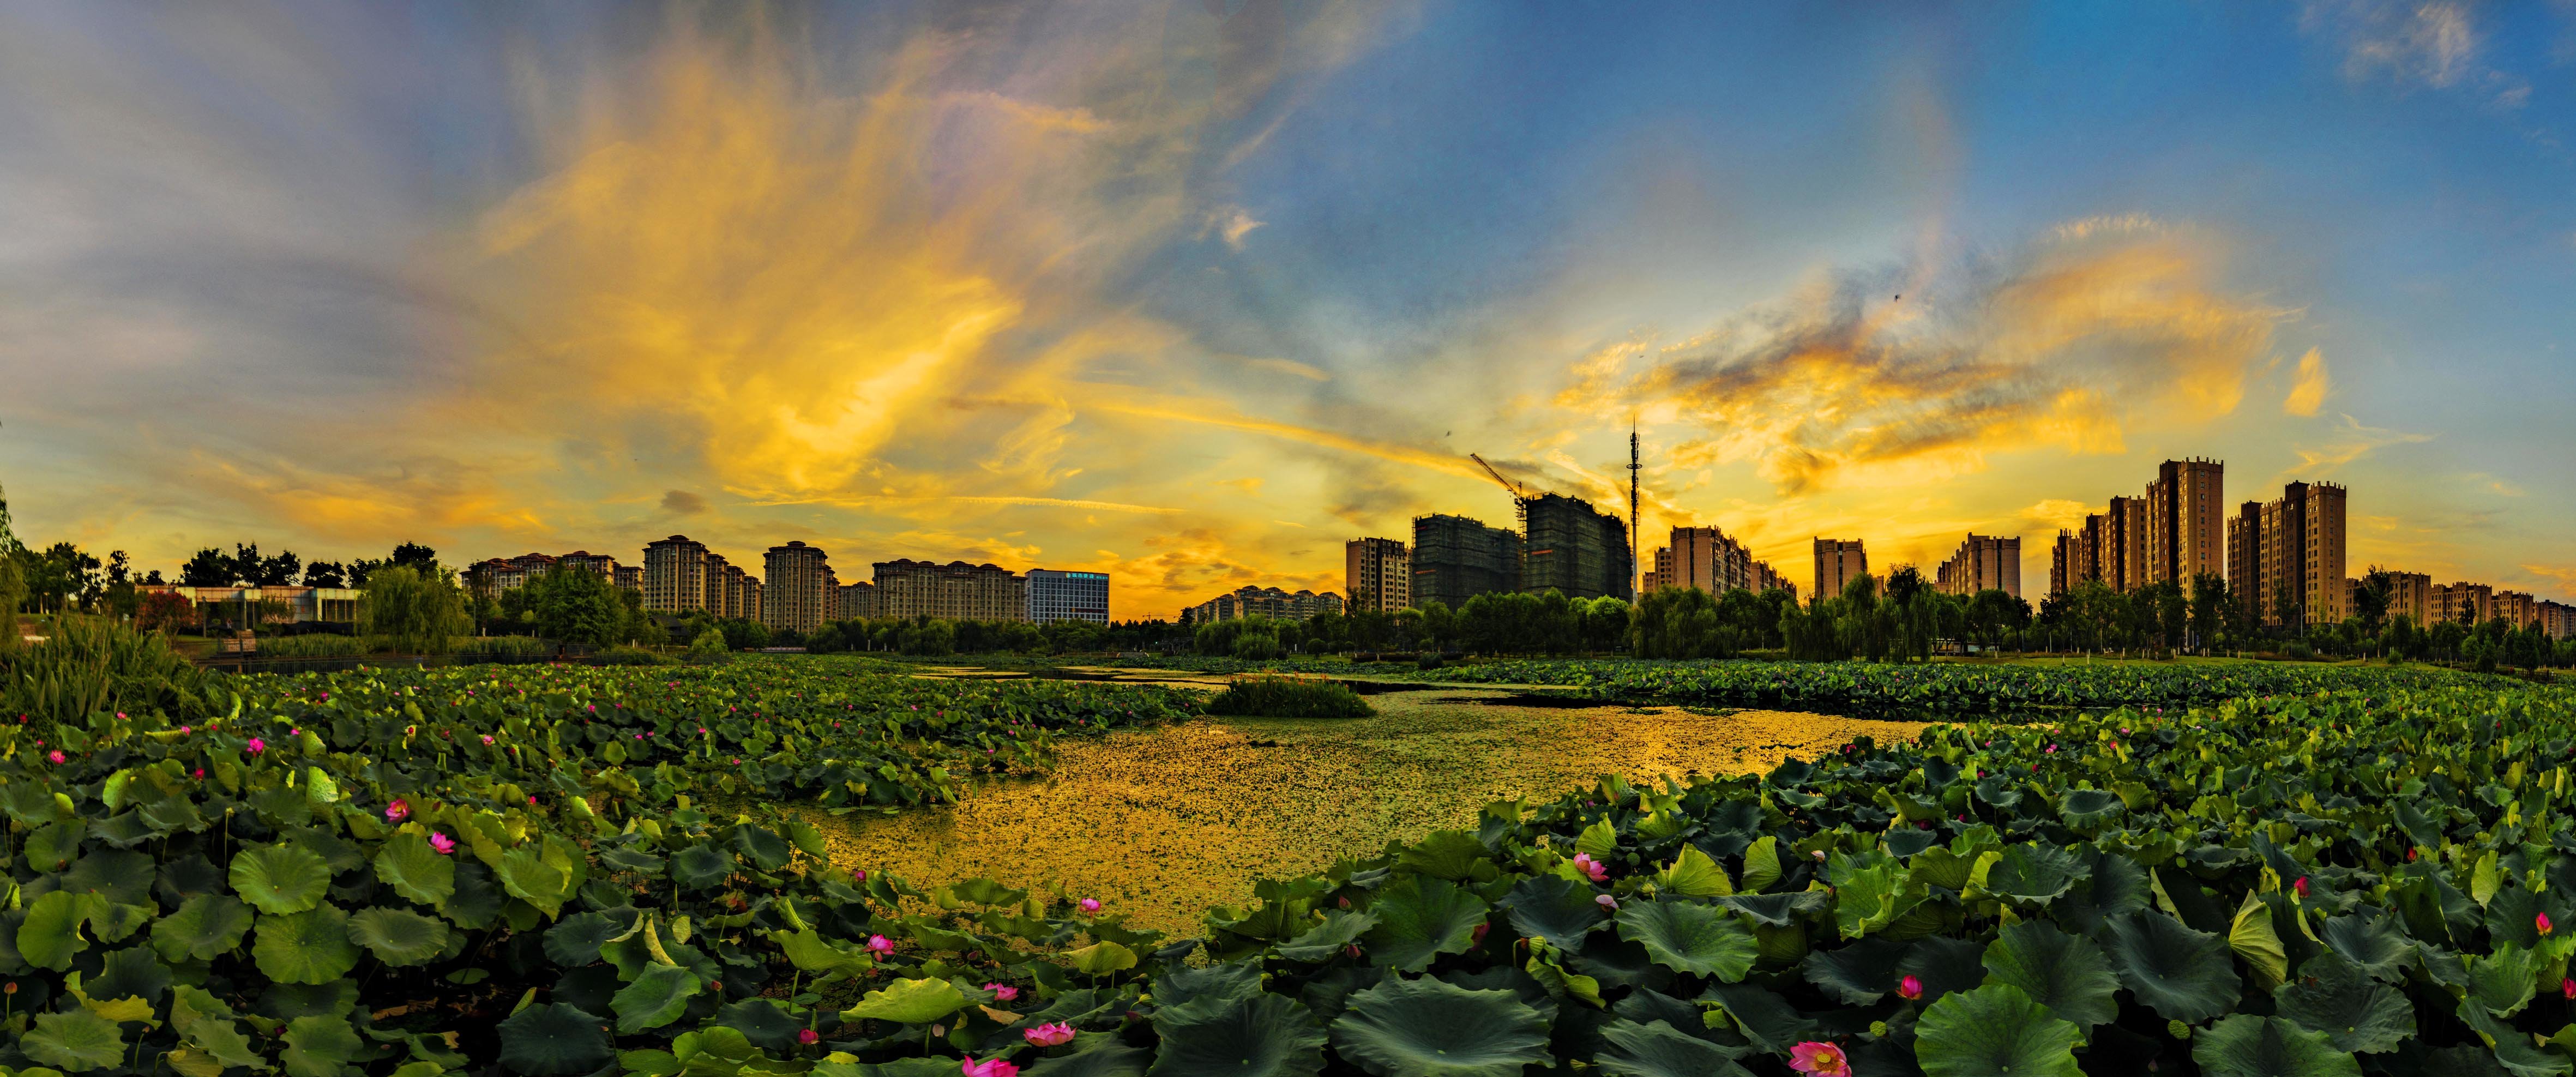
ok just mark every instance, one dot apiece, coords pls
pixel 1095 1054
pixel 657 998
pixel 130 973
pixel 280 879
pixel 123 877
pixel 74 1042
pixel 1341 928
pixel 575 940
pixel 908 1002
pixel 54 846
pixel 2031 876
pixel 309 947
pixel 1263 1035
pixel 51 933
pixel 2372 941
pixel 417 872
pixel 399 937
pixel 701 867
pixel 1428 1028
pixel 2248 1046
pixel 2118 887
pixel 2337 998
pixel 2250 934
pixel 320 1046
pixel 1995 1029
pixel 1102 958
pixel 1694 874
pixel 209 1025
pixel 1778 910
pixel 1554 908
pixel 1944 965
pixel 1762 1016
pixel 555 1040
pixel 2088 809
pixel 1419 919
pixel 1999 792
pixel 526 875
pixel 206 925
pixel 1445 854
pixel 767 851
pixel 1858 974
pixel 759 1020
pixel 2513 1050
pixel 2066 973
pixel 2182 974
pixel 1687 936
pixel 1657 1049
pixel 2505 981
pixel 980 891
pixel 114 922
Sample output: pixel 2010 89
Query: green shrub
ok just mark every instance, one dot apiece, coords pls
pixel 1283 697
pixel 629 656
pixel 320 645
pixel 504 645
pixel 88 667
pixel 708 649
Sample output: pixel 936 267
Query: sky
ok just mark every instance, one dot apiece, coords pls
pixel 1195 292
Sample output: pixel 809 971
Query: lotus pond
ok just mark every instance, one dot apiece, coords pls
pixel 1167 822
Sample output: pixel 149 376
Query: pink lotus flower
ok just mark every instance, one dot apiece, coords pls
pixel 807 1036
pixel 183 731
pixel 2301 886
pixel 199 774
pixel 1910 988
pixel 1591 869
pixel 55 757
pixel 2567 987
pixel 397 811
pixel 1606 901
pixel 1002 992
pixel 1089 904
pixel 1819 1058
pixel 487 738
pixel 1049 1035
pixel 2542 922
pixel 858 875
pixel 442 844
pixel 255 746
pixel 994 1068
pixel 880 945
pixel 1478 938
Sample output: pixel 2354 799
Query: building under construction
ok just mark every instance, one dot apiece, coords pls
pixel 1456 558
pixel 1576 549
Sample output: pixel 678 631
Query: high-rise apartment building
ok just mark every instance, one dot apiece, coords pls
pixel 1456 558
pixel 1838 562
pixel 1270 602
pixel 2122 558
pixel 2468 603
pixel 1378 573
pixel 2517 608
pixel 2557 619
pixel 675 575
pixel 1057 595
pixel 800 588
pixel 859 601
pixel 2186 533
pixel 1707 559
pixel 1575 549
pixel 955 591
pixel 2245 562
pixel 2410 595
pixel 2063 558
pixel 2299 561
pixel 628 577
pixel 1982 563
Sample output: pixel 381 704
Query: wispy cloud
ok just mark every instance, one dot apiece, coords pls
pixel 2351 442
pixel 2438 45
pixel 2308 392
pixel 1853 382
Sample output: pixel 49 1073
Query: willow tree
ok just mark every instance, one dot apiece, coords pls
pixel 418 612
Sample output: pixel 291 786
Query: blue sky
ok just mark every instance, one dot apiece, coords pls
pixel 1191 293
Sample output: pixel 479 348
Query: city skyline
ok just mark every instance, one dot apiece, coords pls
pixel 1191 295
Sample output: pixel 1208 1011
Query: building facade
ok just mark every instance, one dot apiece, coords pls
pixel 2245 562
pixel 2410 595
pixel 1575 549
pixel 859 600
pixel 2468 603
pixel 1378 574
pixel 628 577
pixel 2558 619
pixel 2186 530
pixel 1982 563
pixel 1270 602
pixel 1057 595
pixel 799 590
pixel 1456 559
pixel 675 575
pixel 2298 568
pixel 955 591
pixel 1838 562
pixel 1707 559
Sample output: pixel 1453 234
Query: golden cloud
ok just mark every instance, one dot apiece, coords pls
pixel 2112 323
pixel 2308 393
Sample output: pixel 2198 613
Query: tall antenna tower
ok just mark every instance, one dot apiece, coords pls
pixel 1632 506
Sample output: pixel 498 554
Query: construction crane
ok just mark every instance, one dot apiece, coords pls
pixel 1520 496
pixel 1632 506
